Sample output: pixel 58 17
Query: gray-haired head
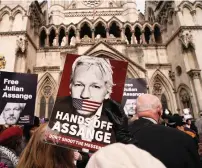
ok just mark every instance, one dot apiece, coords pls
pixel 102 63
pixel 149 106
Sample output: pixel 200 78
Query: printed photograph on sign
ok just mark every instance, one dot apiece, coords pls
pixel 17 98
pixel 132 89
pixel 91 88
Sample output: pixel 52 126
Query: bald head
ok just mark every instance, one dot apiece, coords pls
pixel 149 106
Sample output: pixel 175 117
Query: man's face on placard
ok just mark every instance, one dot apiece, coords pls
pixel 88 84
pixel 12 112
pixel 130 106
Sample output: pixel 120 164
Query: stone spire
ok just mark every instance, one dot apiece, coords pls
pixel 130 10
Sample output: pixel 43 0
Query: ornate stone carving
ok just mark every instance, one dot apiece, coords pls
pixel 92 3
pixel 86 38
pixel 194 74
pixel 98 13
pixel 46 68
pixel 184 96
pixel 47 90
pixel 74 5
pixel 21 43
pixel 157 88
pixel 186 39
pixel 171 75
pixel 2 62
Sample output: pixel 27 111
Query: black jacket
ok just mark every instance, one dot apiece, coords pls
pixel 173 148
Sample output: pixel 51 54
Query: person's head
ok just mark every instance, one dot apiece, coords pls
pixel 11 137
pixel 176 121
pixel 188 121
pixel 91 80
pixel 149 106
pixel 28 130
pixel 40 154
pixel 11 112
pixel 119 155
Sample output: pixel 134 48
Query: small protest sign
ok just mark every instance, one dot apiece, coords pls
pixel 132 89
pixel 17 98
pixel 90 87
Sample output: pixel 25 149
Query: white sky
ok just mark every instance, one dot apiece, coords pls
pixel 140 5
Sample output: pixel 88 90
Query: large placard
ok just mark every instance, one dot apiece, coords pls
pixel 89 87
pixel 17 98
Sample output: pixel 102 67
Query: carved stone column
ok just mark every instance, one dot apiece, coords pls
pixel 57 39
pixel 152 40
pixel 47 41
pixel 67 38
pixel 133 37
pixel 107 32
pixel 172 77
pixel 195 76
pixel 77 35
pixel 193 13
pixel 11 19
pixel 93 34
pixel 123 34
pixel 143 37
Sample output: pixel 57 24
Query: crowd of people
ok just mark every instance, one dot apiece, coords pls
pixel 152 138
pixel 160 140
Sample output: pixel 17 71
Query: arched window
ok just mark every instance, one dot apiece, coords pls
pixel 5 23
pixel 157 35
pixel 164 102
pixel 128 34
pixel 42 107
pixel 46 97
pixel 147 34
pixel 51 37
pixel 138 34
pixel 50 105
pixel 85 31
pixel 61 35
pixel 100 30
pixel 115 30
pixel 71 34
pixel 43 38
pixel 17 23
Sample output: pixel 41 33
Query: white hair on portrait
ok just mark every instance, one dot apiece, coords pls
pixel 21 105
pixel 102 63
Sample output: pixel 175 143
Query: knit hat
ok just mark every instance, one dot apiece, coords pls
pixel 123 156
pixel 10 132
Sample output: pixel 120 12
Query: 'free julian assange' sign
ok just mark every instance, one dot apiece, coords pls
pixel 17 98
pixel 134 87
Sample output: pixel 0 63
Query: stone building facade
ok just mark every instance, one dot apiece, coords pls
pixel 163 45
